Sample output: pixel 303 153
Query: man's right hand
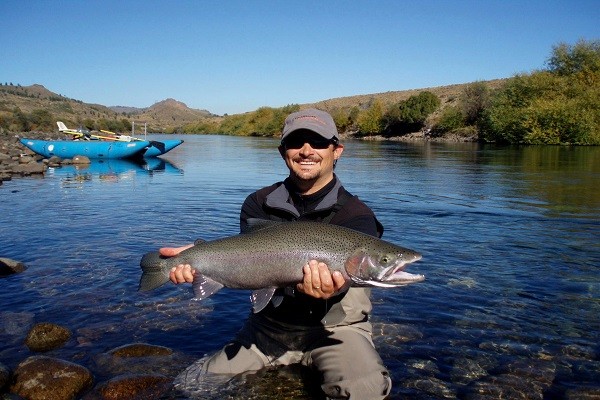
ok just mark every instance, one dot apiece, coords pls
pixel 183 272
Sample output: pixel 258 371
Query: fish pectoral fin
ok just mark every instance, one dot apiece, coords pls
pixel 205 287
pixel 260 298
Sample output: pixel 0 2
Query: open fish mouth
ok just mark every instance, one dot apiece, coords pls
pixel 396 276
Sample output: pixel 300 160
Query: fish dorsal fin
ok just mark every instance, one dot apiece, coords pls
pixel 205 287
pixel 258 224
pixel 260 298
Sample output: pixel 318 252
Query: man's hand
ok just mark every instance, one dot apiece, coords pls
pixel 319 282
pixel 183 272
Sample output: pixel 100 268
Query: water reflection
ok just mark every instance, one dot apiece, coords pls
pixel 111 170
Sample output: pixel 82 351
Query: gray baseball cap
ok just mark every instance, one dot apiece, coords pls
pixel 312 119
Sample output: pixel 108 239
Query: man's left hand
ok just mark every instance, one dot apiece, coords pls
pixel 319 282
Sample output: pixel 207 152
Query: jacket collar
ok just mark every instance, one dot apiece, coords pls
pixel 280 199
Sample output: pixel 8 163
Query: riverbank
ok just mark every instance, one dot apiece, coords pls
pixel 421 136
pixel 17 160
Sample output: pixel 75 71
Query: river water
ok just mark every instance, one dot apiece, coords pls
pixel 510 238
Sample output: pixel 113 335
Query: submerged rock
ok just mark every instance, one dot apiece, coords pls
pixel 45 336
pixel 4 377
pixel 141 359
pixel 9 266
pixel 583 393
pixel 140 350
pixel 132 387
pixel 41 378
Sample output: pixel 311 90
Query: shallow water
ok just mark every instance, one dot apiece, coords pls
pixel 511 252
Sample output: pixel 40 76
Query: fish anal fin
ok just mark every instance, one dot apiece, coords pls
pixel 205 287
pixel 261 298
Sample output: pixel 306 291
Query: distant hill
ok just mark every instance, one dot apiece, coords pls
pixel 170 114
pixel 448 94
pixel 160 117
pixel 36 97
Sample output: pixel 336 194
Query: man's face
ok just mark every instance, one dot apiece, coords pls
pixel 310 158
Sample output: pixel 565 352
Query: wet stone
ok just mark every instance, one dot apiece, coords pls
pixel 4 377
pixel 80 160
pixel 29 169
pixel 15 323
pixel 136 358
pixel 503 386
pixel 9 267
pixel 574 351
pixel 41 378
pixel 132 387
pixel 46 336
pixel 583 393
pixel 140 350
pixel 466 370
pixel 536 371
pixel 431 386
pixel 395 334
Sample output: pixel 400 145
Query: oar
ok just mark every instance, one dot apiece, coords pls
pixel 124 138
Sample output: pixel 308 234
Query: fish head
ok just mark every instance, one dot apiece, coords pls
pixel 382 267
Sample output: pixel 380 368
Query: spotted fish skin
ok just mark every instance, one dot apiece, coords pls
pixel 272 254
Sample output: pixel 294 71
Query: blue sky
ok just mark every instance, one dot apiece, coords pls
pixel 236 56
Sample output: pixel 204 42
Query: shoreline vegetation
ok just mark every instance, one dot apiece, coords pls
pixel 559 104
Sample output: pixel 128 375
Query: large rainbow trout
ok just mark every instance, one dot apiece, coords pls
pixel 271 255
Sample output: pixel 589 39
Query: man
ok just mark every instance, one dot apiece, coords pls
pixel 321 322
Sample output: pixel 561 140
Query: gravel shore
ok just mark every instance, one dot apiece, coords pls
pixel 17 160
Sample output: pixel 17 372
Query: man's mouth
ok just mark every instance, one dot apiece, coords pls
pixel 303 161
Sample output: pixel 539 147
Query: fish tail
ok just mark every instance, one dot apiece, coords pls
pixel 155 271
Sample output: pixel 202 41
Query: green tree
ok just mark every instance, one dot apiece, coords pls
pixel 41 120
pixel 544 108
pixel 474 100
pixel 452 118
pixel 369 120
pixel 20 122
pixel 581 60
pixel 409 115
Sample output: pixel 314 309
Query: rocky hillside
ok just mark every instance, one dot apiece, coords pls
pixel 170 113
pixel 448 95
pixel 160 116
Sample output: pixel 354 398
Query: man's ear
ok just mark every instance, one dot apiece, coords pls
pixel 337 152
pixel 281 151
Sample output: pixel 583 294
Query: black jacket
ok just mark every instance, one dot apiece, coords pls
pixel 332 204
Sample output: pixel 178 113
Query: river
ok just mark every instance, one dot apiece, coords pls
pixel 510 238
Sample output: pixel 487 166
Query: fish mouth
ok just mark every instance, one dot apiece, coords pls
pixel 396 276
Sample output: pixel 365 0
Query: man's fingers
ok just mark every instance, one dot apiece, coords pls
pixel 325 278
pixel 315 274
pixel 338 280
pixel 168 251
pixel 181 274
pixel 173 251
